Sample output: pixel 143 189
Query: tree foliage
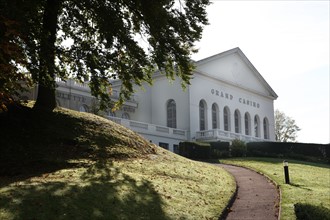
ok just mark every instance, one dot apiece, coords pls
pixel 10 77
pixel 285 127
pixel 238 148
pixel 123 39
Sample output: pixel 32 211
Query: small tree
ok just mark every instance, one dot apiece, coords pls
pixel 285 127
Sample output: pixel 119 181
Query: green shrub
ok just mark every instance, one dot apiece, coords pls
pixel 203 150
pixel 219 149
pixel 194 150
pixel 238 148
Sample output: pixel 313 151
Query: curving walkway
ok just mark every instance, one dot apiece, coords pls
pixel 257 197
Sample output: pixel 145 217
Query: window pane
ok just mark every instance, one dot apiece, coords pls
pixel 247 125
pixel 256 126
pixel 176 148
pixel 171 114
pixel 201 116
pixel 237 128
pixel 226 119
pixel 163 145
pixel 214 117
pixel 266 131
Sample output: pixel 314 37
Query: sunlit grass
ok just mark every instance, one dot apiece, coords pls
pixel 310 182
pixel 80 166
pixel 184 183
pixel 162 187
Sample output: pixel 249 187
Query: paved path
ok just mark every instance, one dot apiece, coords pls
pixel 257 197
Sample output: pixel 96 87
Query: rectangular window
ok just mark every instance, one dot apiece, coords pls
pixel 163 145
pixel 176 148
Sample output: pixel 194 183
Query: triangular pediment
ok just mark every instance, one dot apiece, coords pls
pixel 233 67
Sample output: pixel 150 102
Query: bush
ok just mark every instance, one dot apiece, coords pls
pixel 194 150
pixel 202 150
pixel 238 148
pixel 219 150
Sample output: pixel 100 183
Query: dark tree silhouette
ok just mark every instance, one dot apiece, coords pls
pixel 124 39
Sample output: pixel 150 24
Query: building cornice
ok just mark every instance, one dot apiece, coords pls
pixel 235 85
pixel 238 51
pixel 157 74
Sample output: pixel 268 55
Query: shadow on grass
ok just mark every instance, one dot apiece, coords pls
pixel 300 186
pixel 30 144
pixel 33 143
pixel 311 212
pixel 103 192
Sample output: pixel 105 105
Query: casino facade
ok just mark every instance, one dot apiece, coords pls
pixel 227 99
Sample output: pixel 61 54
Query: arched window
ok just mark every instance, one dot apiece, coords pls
pixel 125 115
pixel 215 116
pixel 247 123
pixel 226 119
pixel 237 121
pixel 202 116
pixel 266 128
pixel 256 126
pixel 171 113
pixel 83 108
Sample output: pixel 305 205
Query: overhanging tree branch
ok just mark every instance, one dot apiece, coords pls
pixel 104 42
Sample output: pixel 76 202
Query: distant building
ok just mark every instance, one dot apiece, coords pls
pixel 227 99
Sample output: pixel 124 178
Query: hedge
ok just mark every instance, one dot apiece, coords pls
pixel 214 150
pixel 303 151
pixel 203 150
pixel 220 149
pixel 194 150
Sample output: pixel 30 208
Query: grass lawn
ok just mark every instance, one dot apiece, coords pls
pixel 70 165
pixel 309 188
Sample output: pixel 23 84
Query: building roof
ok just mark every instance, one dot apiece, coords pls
pixel 240 81
pixel 242 69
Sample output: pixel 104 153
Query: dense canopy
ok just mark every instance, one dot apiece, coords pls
pixel 102 40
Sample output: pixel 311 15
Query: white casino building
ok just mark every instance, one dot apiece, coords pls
pixel 227 99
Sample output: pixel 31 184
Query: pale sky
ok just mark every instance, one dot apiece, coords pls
pixel 288 43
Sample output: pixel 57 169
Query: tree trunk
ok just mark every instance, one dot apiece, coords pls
pixel 46 81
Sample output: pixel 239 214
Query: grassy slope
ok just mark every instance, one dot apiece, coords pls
pixel 70 165
pixel 309 182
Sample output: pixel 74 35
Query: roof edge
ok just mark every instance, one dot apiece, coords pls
pixel 238 51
